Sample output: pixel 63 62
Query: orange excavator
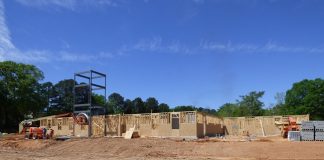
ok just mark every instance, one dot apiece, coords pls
pixel 289 124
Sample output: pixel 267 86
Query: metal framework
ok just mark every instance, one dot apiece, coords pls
pixel 88 107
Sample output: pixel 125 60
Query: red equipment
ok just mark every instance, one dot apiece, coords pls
pixel 290 125
pixel 32 132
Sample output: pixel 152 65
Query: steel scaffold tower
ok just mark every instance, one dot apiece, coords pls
pixel 88 86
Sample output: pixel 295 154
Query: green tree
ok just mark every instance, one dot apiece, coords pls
pixel 151 105
pixel 45 90
pixel 20 93
pixel 116 103
pixel 128 106
pixel 138 105
pixel 61 100
pixel 163 107
pixel 209 111
pixel 98 100
pixel 184 108
pixel 306 97
pixel 280 98
pixel 250 105
pixel 280 107
pixel 270 111
pixel 229 110
pixel 193 108
pixel 82 93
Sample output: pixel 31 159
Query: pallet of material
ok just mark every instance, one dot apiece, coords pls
pixel 294 136
pixel 319 125
pixel 307 125
pixel 319 136
pixel 307 136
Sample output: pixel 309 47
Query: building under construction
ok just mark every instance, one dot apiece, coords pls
pixel 89 119
pixel 189 124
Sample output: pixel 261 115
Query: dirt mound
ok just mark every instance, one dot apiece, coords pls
pixel 26 144
pixel 12 137
pixel 16 141
pixel 157 154
pixel 263 140
pixel 154 148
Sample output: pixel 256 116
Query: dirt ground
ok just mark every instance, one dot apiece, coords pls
pixel 15 147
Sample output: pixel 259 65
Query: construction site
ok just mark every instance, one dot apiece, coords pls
pixel 188 124
pixel 171 135
pixel 90 133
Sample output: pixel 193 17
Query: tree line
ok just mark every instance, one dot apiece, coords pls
pixel 22 95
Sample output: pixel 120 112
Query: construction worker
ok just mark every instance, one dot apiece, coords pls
pixel 44 133
pixel 51 133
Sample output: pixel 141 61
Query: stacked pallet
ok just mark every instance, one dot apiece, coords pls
pixel 319 130
pixel 307 131
pixel 294 136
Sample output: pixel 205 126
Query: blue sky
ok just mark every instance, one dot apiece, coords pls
pixel 183 52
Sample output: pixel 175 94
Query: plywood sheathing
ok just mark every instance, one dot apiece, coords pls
pixel 191 124
pixel 113 125
pixel 188 124
pixel 209 125
pixel 60 126
pixel 98 126
pixel 258 126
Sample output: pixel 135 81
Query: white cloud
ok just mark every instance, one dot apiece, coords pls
pixel 77 57
pixel 8 51
pixel 153 44
pixel 68 4
pixel 5 39
pixel 29 56
pixel 66 56
pixel 269 47
pixel 157 45
pixel 177 47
